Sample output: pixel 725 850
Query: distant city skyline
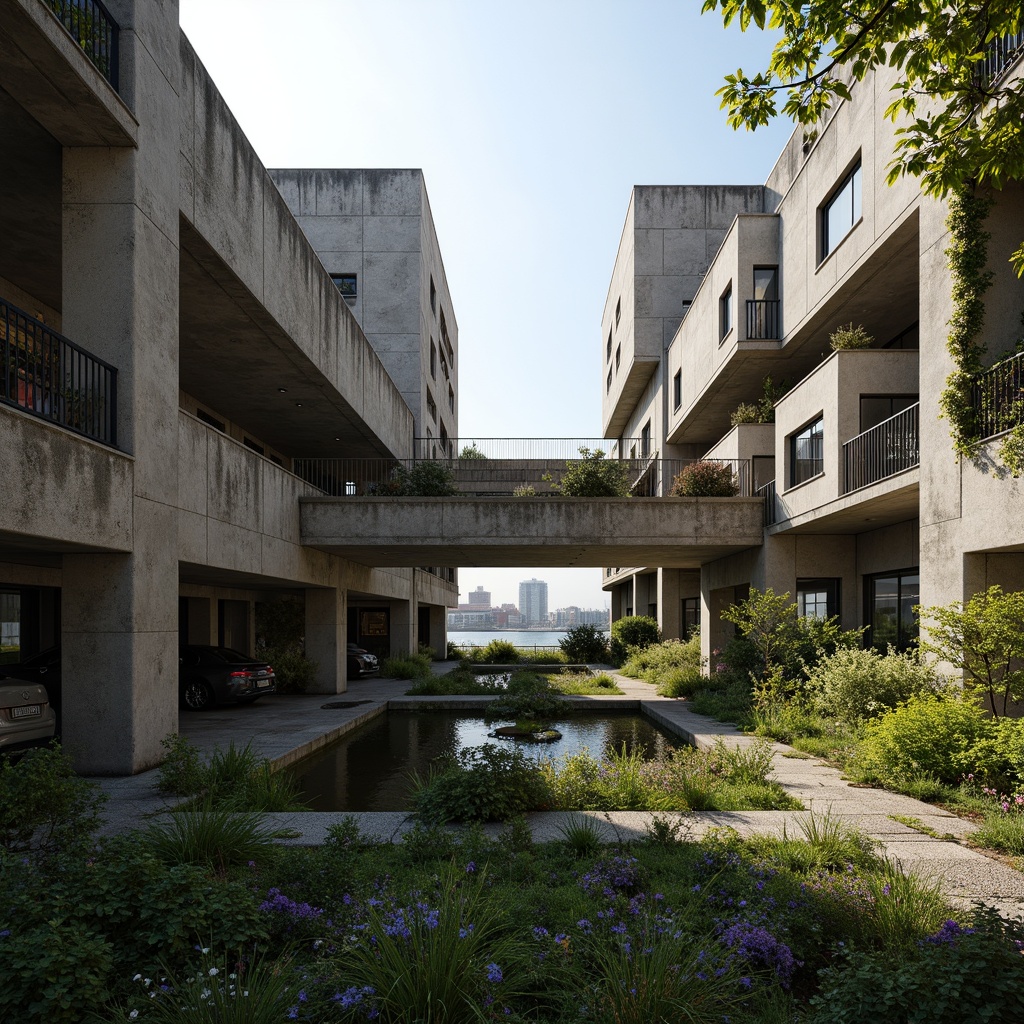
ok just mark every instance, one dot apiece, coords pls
pixel 566 587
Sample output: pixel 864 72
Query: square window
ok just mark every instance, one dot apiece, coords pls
pixel 841 211
pixel 725 313
pixel 807 452
pixel 818 598
pixel 347 285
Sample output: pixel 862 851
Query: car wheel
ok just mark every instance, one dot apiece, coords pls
pixel 196 695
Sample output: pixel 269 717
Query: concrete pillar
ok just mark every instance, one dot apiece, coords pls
pixel 670 607
pixel 439 629
pixel 326 636
pixel 403 627
pixel 120 302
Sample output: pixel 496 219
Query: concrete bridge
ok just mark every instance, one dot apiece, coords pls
pixel 680 533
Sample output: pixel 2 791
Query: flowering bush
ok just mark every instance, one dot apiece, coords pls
pixel 705 479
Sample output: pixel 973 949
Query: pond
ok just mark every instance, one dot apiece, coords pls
pixel 369 768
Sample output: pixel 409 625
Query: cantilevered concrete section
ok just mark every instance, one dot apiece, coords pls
pixel 571 532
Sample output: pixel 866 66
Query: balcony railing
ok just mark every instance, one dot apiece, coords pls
pixel 997 395
pixel 763 320
pixel 771 505
pixel 488 477
pixel 883 451
pixel 520 447
pixel 93 27
pixel 49 376
pixel 999 55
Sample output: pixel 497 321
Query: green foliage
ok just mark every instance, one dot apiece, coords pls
pixel 457 682
pixel 984 638
pixel 705 478
pixel 45 808
pixel 528 698
pixel 182 771
pixel 215 839
pixel 582 836
pixel 648 663
pixel 584 684
pixel 499 652
pixel 929 734
pixel 584 644
pixel 486 783
pixel 524 491
pixel 780 643
pixel 470 451
pixel 293 671
pixel 855 683
pixel 280 640
pixel 745 412
pixel 592 476
pixel 426 479
pixel 763 410
pixel 406 666
pixel 1011 447
pixel 633 631
pixel 849 337
pixel 958 974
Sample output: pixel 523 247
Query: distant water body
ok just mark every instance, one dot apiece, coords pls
pixel 519 637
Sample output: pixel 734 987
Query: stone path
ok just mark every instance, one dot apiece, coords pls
pixel 288 728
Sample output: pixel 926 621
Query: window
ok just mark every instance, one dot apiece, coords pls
pixel 764 470
pixel 346 284
pixel 876 408
pixel 250 443
pixel 817 598
pixel 645 440
pixel 608 382
pixel 433 296
pixel 210 421
pixel 725 313
pixel 841 212
pixel 608 348
pixel 431 406
pixel 618 355
pixel 691 615
pixel 618 311
pixel 433 360
pixel 766 283
pixel 451 398
pixel 890 609
pixel 677 389
pixel 444 439
pixel 910 338
pixel 807 452
pixel 687 303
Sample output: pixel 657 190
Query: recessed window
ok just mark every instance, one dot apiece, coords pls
pixel 433 296
pixel 889 615
pixel 841 212
pixel 433 360
pixel 608 348
pixel 807 452
pixel 691 615
pixel 431 406
pixel 254 445
pixel 444 439
pixel 725 313
pixel 618 311
pixel 875 409
pixel 817 598
pixel 347 285
pixel 908 339
pixel 210 421
pixel 608 382
pixel 645 440
pixel 687 303
pixel 451 398
pixel 677 390
pixel 618 355
pixel 277 460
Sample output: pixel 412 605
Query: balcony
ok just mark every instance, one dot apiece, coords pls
pixel 48 376
pixel 997 396
pixel 764 321
pixel 1001 53
pixel 93 28
pixel 888 448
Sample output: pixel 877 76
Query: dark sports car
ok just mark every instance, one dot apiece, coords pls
pixel 360 662
pixel 219 675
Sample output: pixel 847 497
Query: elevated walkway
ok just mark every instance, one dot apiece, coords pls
pixel 677 533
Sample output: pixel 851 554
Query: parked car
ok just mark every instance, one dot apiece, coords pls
pixel 26 718
pixel 360 662
pixel 44 670
pixel 219 675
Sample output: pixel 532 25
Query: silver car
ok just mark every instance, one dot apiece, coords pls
pixel 26 718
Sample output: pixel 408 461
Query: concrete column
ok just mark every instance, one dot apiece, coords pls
pixel 670 608
pixel 403 627
pixel 326 635
pixel 439 629
pixel 120 301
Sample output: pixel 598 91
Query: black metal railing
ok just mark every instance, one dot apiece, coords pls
pixel 45 374
pixel 516 477
pixel 999 55
pixel 771 505
pixel 519 447
pixel 886 449
pixel 763 320
pixel 93 27
pixel 997 396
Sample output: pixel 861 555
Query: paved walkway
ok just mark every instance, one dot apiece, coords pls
pixel 288 728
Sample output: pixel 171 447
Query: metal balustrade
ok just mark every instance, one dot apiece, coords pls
pixel 93 27
pixel 886 449
pixel 999 55
pixel 45 374
pixel 521 447
pixel 771 505
pixel 997 396
pixel 764 322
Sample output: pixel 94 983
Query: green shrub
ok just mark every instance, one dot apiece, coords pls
pixel 855 683
pixel 584 644
pixel 460 681
pixel 45 808
pixel 470 451
pixel 680 682
pixel 406 666
pixel 929 734
pixel 648 663
pixel 705 479
pixel 745 412
pixel 294 672
pixel 592 476
pixel 529 698
pixel 535 657
pixel 453 652
pixel 582 683
pixel 638 631
pixel 486 783
pixel 499 652
pixel 849 337
pixel 426 479
pixel 182 771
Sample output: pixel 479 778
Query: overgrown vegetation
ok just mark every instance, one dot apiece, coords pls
pixel 407 666
pixel 763 410
pixel 463 682
pixel 850 337
pixel 673 666
pixel 219 925
pixel 706 478
pixel 633 632
pixel 280 640
pixel 592 476
pixel 584 644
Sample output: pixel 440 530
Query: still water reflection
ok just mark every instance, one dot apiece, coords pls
pixel 368 770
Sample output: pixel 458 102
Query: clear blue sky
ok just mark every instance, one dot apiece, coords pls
pixel 531 122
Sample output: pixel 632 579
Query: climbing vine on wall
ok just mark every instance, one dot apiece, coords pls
pixel 968 260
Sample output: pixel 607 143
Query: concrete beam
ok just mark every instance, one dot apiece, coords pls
pixel 574 532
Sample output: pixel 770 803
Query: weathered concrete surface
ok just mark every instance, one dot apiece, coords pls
pixel 673 532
